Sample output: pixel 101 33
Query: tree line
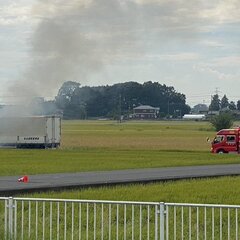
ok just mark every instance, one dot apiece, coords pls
pixel 81 102
pixel 227 112
pixel 223 103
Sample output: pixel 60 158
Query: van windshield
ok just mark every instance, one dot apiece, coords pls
pixel 218 139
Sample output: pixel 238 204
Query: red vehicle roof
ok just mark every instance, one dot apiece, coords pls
pixel 228 131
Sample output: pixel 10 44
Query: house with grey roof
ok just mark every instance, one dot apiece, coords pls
pixel 145 112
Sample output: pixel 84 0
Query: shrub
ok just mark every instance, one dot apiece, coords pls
pixel 222 121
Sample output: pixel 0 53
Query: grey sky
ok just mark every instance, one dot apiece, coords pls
pixel 191 45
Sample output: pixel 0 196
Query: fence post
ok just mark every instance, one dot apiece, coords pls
pixel 10 217
pixel 157 211
pixel 162 220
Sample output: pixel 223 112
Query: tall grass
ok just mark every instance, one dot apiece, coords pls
pixel 19 162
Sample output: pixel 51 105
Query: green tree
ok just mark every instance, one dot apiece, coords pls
pixel 66 93
pixel 222 121
pixel 68 101
pixel 215 103
pixel 232 106
pixel 238 105
pixel 224 102
pixel 104 101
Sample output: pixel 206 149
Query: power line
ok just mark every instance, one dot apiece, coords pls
pixel 20 95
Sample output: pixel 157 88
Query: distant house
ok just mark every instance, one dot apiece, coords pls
pixel 200 109
pixel 145 112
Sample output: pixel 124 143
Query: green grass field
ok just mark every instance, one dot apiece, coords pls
pixel 108 145
pixel 105 145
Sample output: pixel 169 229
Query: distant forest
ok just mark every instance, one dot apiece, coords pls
pixel 77 102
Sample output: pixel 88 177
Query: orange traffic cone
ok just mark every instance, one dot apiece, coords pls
pixel 23 179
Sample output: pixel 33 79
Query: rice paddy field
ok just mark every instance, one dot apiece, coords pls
pixel 108 145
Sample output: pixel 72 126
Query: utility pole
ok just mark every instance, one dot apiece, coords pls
pixel 120 107
pixel 168 108
pixel 211 107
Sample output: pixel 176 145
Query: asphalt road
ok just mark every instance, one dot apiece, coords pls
pixel 44 182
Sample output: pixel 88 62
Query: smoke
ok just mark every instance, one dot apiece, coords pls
pixel 75 40
pixel 71 43
pixel 14 111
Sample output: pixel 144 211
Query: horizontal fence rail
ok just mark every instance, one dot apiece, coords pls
pixel 63 219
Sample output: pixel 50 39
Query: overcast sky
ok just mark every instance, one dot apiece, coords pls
pixel 193 45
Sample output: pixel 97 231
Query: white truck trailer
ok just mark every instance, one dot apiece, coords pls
pixel 30 132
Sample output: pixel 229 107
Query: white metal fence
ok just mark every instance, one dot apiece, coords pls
pixel 31 218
